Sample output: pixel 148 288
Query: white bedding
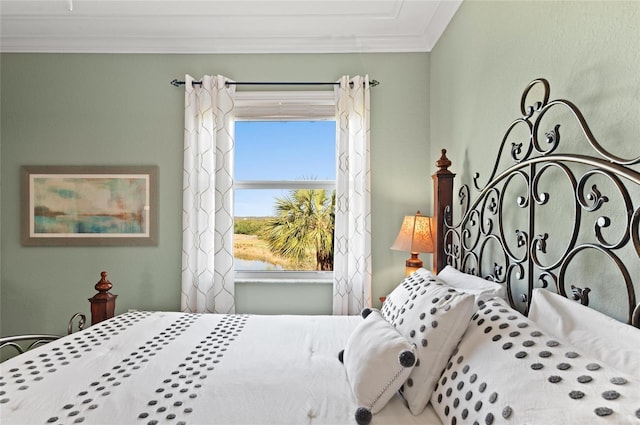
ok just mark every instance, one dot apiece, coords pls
pixel 173 368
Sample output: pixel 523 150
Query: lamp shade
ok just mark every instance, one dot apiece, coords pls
pixel 415 234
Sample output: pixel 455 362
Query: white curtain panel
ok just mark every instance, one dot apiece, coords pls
pixel 207 213
pixel 352 240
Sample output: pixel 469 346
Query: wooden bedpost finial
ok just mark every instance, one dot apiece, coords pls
pixel 103 285
pixel 442 199
pixel 103 303
pixel 443 163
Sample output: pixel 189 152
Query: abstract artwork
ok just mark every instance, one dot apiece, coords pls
pixel 89 205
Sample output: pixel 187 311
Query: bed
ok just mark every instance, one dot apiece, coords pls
pixel 505 331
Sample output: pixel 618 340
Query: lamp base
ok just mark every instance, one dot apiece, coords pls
pixel 412 264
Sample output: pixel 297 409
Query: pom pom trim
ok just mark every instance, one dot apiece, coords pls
pixel 363 416
pixel 407 358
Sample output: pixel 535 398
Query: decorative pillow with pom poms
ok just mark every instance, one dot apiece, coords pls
pixel 434 316
pixel 378 360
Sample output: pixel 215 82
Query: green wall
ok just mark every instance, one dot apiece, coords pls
pixel 83 109
pixel 589 51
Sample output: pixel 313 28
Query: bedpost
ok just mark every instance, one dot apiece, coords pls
pixel 442 197
pixel 103 303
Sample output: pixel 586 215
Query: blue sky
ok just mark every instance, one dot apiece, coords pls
pixel 276 150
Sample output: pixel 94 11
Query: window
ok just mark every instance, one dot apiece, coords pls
pixel 284 185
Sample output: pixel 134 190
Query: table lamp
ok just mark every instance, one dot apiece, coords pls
pixel 415 236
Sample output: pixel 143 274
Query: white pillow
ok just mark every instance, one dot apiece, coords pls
pixel 595 333
pixel 483 289
pixel 508 371
pixel 378 360
pixel 434 317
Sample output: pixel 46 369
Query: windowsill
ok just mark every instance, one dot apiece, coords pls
pixel 286 281
pixel 283 276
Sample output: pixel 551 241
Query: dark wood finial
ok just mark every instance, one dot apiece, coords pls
pixel 103 285
pixel 442 199
pixel 443 163
pixel 103 303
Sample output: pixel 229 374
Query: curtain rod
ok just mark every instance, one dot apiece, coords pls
pixel 176 83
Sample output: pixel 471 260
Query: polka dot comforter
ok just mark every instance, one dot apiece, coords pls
pixel 151 368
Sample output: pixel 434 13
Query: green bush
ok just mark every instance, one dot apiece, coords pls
pixel 248 226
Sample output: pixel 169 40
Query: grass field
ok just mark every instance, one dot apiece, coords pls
pixel 250 247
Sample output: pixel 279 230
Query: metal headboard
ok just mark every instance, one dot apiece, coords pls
pixel 603 211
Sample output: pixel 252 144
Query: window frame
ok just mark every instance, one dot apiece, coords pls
pixel 284 106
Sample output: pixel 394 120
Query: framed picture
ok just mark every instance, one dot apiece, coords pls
pixel 93 205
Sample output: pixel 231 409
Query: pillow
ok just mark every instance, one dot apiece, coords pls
pixel 483 289
pixel 507 370
pixel 592 332
pixel 378 361
pixel 433 316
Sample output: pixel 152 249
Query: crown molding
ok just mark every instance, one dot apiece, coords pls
pixel 390 26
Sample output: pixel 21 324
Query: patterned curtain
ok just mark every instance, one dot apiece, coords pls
pixel 207 212
pixel 352 240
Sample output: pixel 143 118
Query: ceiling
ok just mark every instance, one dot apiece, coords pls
pixel 223 26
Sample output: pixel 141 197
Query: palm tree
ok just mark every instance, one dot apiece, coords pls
pixel 304 225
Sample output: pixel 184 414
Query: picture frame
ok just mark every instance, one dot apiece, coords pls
pixel 89 205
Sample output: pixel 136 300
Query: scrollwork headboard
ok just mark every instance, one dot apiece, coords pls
pixel 562 216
